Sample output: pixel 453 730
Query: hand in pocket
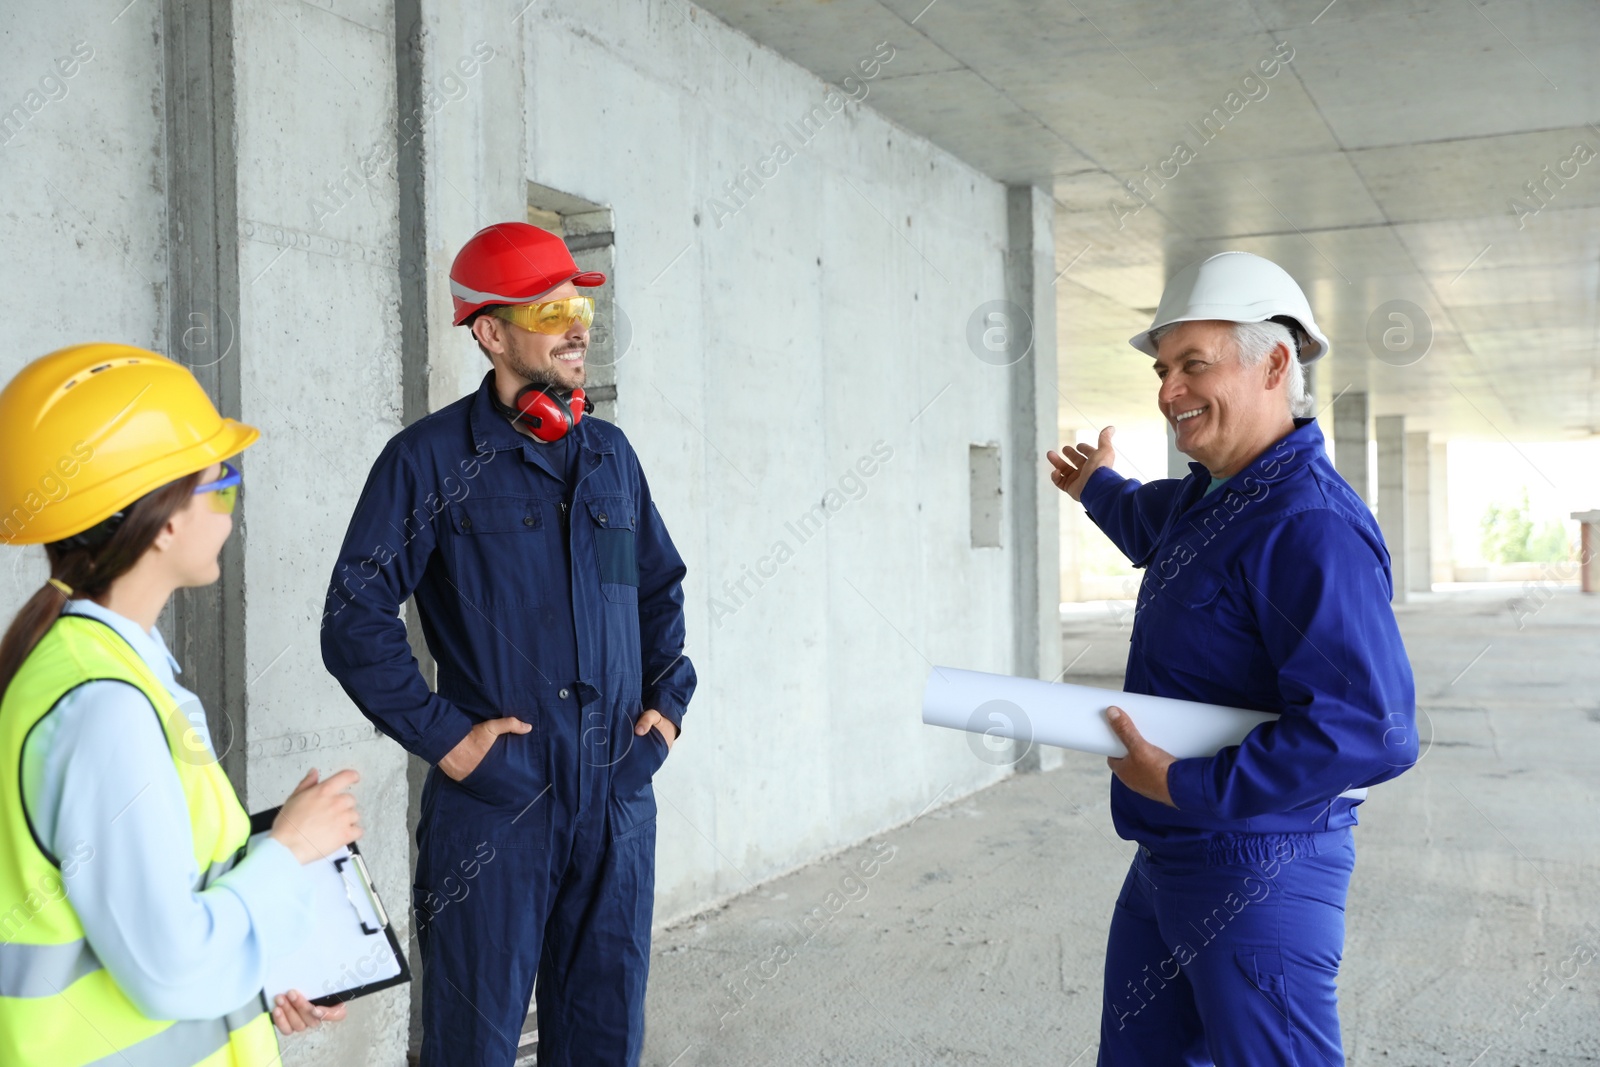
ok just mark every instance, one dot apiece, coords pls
pixel 465 757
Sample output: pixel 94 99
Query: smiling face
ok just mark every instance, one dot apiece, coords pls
pixel 1224 412
pixel 535 358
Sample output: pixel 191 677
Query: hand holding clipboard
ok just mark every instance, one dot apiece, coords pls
pixel 350 949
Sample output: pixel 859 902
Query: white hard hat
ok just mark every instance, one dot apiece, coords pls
pixel 1236 287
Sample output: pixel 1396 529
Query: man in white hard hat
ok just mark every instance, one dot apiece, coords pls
pixel 1267 587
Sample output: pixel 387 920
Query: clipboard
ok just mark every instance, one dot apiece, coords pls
pixel 351 950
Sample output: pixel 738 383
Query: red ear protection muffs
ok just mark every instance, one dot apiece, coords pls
pixel 541 409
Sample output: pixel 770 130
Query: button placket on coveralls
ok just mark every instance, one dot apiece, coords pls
pixel 604 901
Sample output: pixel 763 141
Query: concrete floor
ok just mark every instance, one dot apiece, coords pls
pixel 980 938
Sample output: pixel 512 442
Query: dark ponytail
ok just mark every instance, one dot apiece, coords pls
pixel 89 571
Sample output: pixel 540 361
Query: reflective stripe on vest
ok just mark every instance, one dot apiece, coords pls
pixel 185 1042
pixel 58 1006
pixel 44 970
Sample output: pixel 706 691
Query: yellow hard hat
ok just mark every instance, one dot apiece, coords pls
pixel 88 430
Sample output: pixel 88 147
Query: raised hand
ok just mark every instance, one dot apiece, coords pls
pixel 319 817
pixel 1073 465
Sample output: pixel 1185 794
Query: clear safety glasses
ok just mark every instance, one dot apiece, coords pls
pixel 552 316
pixel 223 494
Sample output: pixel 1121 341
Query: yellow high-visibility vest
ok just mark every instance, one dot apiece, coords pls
pixel 58 1006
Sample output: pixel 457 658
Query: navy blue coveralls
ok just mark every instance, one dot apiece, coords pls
pixel 560 604
pixel 1270 593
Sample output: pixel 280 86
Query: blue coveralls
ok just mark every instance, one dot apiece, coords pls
pixel 1270 593
pixel 561 605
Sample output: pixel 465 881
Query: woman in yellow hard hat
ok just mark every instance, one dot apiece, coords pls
pixel 135 927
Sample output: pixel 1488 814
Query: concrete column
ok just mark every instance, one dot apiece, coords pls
pixel 1441 552
pixel 207 624
pixel 1588 550
pixel 415 401
pixel 1419 515
pixel 1036 567
pixel 1351 432
pixel 1391 438
pixel 1071 515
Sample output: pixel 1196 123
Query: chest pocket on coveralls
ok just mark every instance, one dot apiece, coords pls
pixel 1199 590
pixel 615 521
pixel 490 533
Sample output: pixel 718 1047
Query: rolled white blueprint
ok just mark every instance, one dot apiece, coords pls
pixel 1074 716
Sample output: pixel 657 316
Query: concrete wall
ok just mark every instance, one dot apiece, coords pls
pixel 83 163
pixel 779 336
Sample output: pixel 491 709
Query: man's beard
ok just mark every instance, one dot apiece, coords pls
pixel 547 377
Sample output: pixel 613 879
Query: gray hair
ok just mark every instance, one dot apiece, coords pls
pixel 1255 341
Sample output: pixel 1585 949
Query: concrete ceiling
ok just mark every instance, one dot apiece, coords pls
pixel 1380 164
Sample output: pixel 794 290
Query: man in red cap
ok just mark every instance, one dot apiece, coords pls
pixel 551 599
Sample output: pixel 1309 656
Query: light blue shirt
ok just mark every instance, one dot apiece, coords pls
pixel 104 797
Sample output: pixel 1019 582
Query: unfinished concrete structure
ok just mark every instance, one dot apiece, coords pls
pixel 840 230
pixel 273 193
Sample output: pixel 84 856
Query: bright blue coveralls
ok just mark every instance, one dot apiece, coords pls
pixel 1271 593
pixel 560 604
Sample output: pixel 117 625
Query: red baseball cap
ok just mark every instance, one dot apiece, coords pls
pixel 511 263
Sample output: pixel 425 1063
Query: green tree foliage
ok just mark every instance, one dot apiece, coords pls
pixel 1550 544
pixel 1509 536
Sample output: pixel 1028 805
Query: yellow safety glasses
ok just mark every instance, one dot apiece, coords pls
pixel 222 494
pixel 552 316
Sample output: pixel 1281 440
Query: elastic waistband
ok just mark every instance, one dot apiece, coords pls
pixel 1223 849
